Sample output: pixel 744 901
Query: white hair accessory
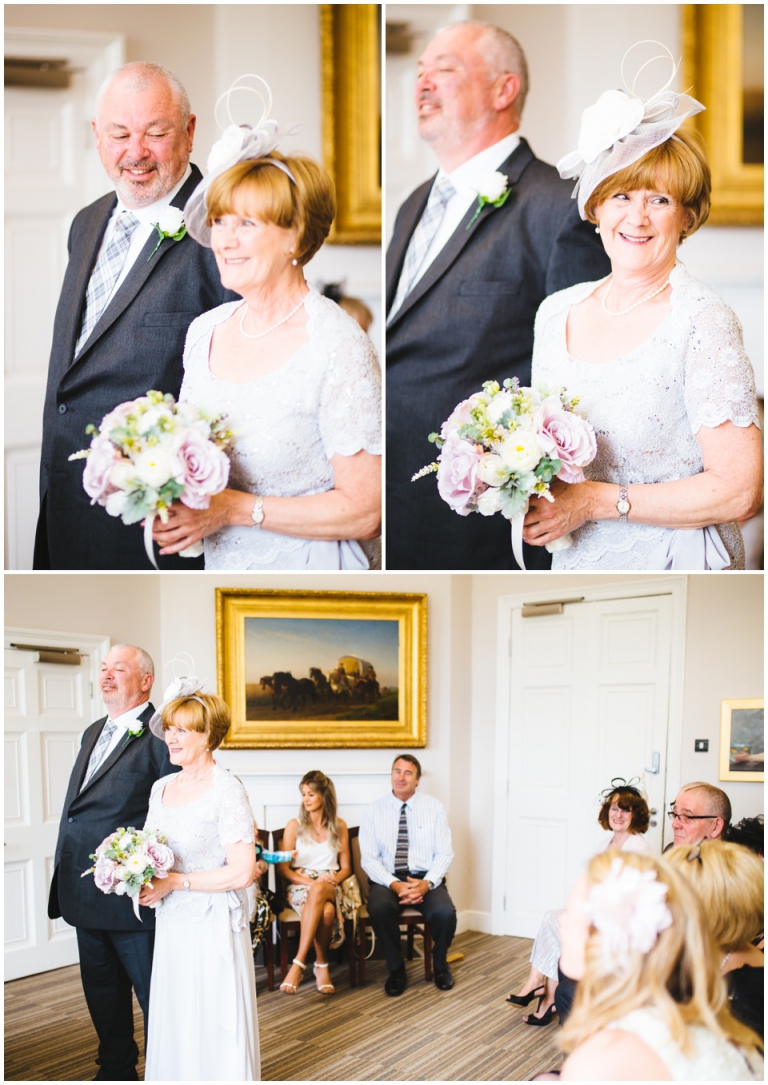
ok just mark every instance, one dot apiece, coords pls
pixel 238 143
pixel 628 909
pixel 621 127
pixel 181 686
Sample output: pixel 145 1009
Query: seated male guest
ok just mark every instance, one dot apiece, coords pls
pixel 700 812
pixel 405 849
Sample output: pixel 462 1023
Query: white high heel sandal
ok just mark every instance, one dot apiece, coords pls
pixel 291 988
pixel 323 988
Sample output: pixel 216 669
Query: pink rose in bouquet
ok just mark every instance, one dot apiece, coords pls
pixel 96 476
pixel 565 436
pixel 104 874
pixel 206 468
pixel 457 480
pixel 160 857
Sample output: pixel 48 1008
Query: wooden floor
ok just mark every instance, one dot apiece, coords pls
pixel 467 1034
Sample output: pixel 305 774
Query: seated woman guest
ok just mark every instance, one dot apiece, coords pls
pixel 202 1002
pixel 728 880
pixel 321 863
pixel 650 1005
pixel 297 377
pixel 624 813
pixel 649 351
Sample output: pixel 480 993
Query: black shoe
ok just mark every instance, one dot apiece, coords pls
pixel 546 1018
pixel 395 984
pixel 523 1000
pixel 444 979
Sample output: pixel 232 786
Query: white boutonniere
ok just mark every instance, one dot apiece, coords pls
pixel 170 224
pixel 135 729
pixel 495 190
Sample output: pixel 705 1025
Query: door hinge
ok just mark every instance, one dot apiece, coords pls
pixel 504 903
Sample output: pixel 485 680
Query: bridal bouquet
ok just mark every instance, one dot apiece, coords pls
pixel 152 451
pixel 505 444
pixel 129 859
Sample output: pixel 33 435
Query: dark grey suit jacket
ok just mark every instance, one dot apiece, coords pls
pixel 117 796
pixel 137 345
pixel 468 320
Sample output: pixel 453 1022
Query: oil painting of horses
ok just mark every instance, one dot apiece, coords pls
pixel 321 669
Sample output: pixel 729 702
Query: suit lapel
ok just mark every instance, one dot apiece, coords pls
pixel 142 268
pixel 84 758
pixel 91 246
pixel 513 167
pixel 400 243
pixel 119 750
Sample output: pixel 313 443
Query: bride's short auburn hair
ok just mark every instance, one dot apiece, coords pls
pixel 266 193
pixel 678 166
pixel 212 718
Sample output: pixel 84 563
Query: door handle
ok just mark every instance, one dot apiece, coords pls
pixel 656 763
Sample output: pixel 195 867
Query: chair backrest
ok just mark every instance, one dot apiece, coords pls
pixel 357 866
pixel 262 837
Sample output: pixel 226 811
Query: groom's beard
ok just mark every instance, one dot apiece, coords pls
pixel 138 191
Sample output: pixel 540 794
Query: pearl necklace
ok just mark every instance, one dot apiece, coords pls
pixel 642 301
pixel 197 779
pixel 279 323
pixel 725 960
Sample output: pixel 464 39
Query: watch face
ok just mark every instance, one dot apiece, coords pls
pixel 623 507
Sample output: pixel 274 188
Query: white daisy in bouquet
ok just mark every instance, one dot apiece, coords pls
pixel 503 446
pixel 129 859
pixel 152 451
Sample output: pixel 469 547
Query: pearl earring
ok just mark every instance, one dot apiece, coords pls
pixel 597 229
pixel 295 262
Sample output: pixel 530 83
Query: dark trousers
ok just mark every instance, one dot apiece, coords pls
pixel 564 995
pixel 111 963
pixel 437 907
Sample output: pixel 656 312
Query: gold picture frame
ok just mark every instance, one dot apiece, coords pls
pixel 741 733
pixel 351 75
pixel 322 669
pixel 713 67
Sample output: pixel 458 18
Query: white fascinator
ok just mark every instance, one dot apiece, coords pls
pixel 621 127
pixel 183 684
pixel 237 143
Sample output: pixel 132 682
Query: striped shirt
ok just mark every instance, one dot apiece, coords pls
pixel 429 838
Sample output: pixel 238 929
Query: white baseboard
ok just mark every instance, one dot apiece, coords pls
pixel 473 921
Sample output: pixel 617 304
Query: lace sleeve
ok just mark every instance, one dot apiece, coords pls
pixel 236 821
pixel 719 381
pixel 350 399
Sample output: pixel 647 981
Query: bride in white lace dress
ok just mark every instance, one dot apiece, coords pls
pixel 202 1003
pixel 296 376
pixel 656 358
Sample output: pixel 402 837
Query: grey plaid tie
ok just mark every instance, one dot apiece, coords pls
pixel 422 238
pixel 97 755
pixel 401 851
pixel 105 274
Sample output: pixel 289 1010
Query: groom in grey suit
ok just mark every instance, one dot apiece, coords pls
pixel 124 311
pixel 462 292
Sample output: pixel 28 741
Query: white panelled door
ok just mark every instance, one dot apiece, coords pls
pixel 589 701
pixel 51 171
pixel 47 707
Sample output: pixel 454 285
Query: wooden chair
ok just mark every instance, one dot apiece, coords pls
pixel 289 921
pixel 410 918
pixel 269 952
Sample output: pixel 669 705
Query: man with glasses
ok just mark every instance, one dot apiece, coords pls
pixel 700 812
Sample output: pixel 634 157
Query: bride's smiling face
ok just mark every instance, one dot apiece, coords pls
pixel 185 747
pixel 250 253
pixel 640 230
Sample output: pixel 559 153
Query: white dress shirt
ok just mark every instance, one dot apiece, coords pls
pixel 429 838
pixel 467 179
pixel 121 727
pixel 147 216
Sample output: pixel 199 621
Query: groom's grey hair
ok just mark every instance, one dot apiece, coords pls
pixel 140 74
pixel 144 659
pixel 502 53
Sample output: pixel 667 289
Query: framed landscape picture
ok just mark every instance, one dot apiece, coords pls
pixel 322 668
pixel 742 740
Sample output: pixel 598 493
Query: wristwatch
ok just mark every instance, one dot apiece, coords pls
pixel 622 505
pixel 257 513
pixel 431 885
pixel 186 882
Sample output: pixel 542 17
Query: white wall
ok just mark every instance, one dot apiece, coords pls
pixel 574 53
pixel 168 613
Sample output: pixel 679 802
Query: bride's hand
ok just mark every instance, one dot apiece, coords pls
pixel 155 891
pixel 546 521
pixel 186 526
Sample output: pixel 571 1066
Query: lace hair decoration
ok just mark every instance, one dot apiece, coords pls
pixel 621 127
pixel 635 786
pixel 238 143
pixel 183 685
pixel 629 910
